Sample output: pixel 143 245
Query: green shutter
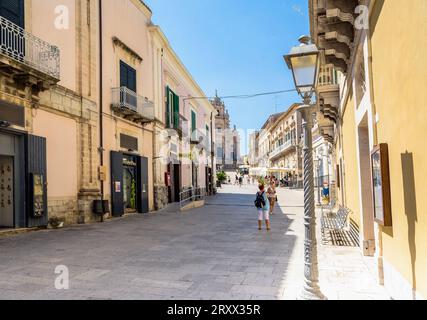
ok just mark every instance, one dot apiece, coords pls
pixel 176 111
pixel 193 123
pixel 208 138
pixel 168 108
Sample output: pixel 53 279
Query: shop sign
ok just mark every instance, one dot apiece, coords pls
pixel 117 187
pixel 129 163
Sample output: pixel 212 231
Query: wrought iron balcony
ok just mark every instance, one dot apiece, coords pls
pixel 178 123
pixel 283 148
pixel 131 106
pixel 198 137
pixel 19 48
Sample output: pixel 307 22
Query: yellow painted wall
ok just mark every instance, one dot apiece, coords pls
pixel 399 67
pixel 351 179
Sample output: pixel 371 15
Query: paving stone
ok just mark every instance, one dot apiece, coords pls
pixel 214 252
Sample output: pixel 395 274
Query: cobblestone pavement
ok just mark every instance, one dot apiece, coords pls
pixel 215 252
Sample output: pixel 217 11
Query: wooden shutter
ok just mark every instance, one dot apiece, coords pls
pixel 127 76
pixel 123 75
pixel 168 107
pixel 13 10
pixel 131 79
pixel 117 204
pixel 143 188
pixel 36 165
pixel 193 122
pixel 176 111
pixel 208 139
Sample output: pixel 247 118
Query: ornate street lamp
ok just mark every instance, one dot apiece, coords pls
pixel 303 60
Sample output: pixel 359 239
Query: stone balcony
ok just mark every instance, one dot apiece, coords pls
pixel 27 60
pixel 333 29
pixel 328 101
pixel 283 149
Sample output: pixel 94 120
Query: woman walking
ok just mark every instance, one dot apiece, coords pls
pixel 272 196
pixel 263 206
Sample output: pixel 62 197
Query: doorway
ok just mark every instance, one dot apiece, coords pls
pixel 129 184
pixel 195 175
pixel 209 183
pixel 365 176
pixel 177 180
pixel 174 170
pixel 7 188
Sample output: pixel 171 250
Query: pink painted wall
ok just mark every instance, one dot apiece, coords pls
pixel 41 23
pixel 62 158
pixel 134 34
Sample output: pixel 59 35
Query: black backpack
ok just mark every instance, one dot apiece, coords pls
pixel 259 201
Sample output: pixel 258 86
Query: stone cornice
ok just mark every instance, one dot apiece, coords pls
pixel 117 42
pixel 141 5
pixel 174 60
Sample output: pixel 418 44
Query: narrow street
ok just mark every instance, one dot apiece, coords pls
pixel 215 252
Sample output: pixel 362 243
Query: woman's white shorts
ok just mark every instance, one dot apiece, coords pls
pixel 263 215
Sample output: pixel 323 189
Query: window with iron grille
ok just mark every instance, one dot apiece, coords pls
pixel 128 142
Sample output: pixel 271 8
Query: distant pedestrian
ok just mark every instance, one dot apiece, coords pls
pixel 240 181
pixel 263 206
pixel 272 196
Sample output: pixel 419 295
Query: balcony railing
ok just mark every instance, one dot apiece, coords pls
pixel 25 48
pixel 283 148
pixel 131 105
pixel 178 123
pixel 328 76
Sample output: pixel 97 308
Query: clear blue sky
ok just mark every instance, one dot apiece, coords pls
pixel 236 46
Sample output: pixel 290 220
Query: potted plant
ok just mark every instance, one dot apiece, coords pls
pixel 55 223
pixel 221 178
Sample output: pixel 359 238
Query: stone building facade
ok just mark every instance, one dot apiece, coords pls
pixel 285 151
pixel 82 105
pixel 183 139
pixel 48 107
pixel 228 138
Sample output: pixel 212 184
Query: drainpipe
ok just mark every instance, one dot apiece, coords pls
pixel 101 123
pixel 212 153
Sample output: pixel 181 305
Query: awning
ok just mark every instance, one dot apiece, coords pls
pixel 259 171
pixel 279 170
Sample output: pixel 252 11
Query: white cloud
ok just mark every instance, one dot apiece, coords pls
pixel 297 9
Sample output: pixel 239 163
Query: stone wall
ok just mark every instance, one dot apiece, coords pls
pixel 66 209
pixel 161 197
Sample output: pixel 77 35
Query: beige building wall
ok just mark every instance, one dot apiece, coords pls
pixel 132 45
pixel 66 114
pixel 172 73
